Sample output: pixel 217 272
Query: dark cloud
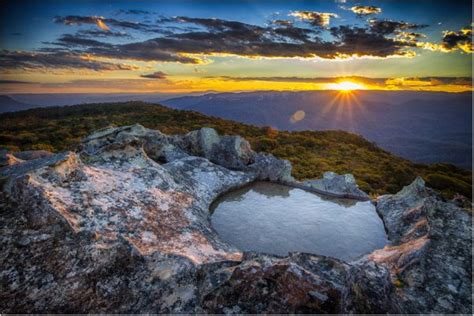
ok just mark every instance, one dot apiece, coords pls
pixel 187 38
pixel 363 10
pixel 319 19
pixel 458 40
pixel 387 27
pixel 107 25
pixel 59 60
pixel 231 28
pixel 364 42
pixel 108 22
pixel 431 81
pixel 15 82
pixel 282 22
pixel 155 75
pixel 103 34
pixel 160 49
pixel 16 34
pixel 293 33
pixel 71 40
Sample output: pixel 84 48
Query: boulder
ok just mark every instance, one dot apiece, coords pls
pixel 337 185
pixel 429 257
pixel 269 168
pixel 232 152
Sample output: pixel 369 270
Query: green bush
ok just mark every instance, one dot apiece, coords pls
pixel 446 183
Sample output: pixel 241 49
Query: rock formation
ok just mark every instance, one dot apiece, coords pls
pixel 337 185
pixel 121 225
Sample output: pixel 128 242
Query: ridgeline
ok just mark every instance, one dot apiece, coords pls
pixel 310 152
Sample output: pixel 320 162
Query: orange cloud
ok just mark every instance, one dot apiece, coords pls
pixel 102 25
pixel 365 10
pixel 314 18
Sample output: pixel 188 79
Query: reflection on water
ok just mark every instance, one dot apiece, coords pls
pixel 273 218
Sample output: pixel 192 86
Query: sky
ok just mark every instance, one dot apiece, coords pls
pixel 191 46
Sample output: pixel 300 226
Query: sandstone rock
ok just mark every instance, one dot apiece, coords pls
pixel 269 168
pixel 32 154
pixel 430 252
pixel 463 202
pixel 232 152
pixel 338 185
pixel 8 159
pixel 122 226
pixel 298 283
pixel 267 284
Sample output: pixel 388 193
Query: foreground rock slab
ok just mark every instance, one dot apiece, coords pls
pixel 122 226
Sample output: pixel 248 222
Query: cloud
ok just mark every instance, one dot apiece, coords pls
pixel 429 81
pixel 158 50
pixel 73 20
pixel 363 10
pixel 142 51
pixel 364 42
pixel 155 75
pixel 103 34
pixel 410 36
pixel 360 79
pixel 15 82
pixel 282 22
pixel 61 60
pixel 451 41
pixel 189 40
pixel 399 81
pixel 387 27
pixel 458 40
pixel 71 40
pixel 103 23
pixel 314 18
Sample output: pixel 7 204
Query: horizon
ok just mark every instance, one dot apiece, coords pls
pixel 205 92
pixel 181 47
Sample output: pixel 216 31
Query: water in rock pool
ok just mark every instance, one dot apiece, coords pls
pixel 277 219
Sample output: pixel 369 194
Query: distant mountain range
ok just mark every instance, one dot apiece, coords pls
pixel 424 127
pixel 46 100
pixel 8 104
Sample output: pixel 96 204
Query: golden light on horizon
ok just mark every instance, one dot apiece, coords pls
pixel 345 86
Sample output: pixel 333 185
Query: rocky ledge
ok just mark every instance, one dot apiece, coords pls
pixel 343 186
pixel 122 225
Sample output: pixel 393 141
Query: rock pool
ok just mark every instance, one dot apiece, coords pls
pixel 272 218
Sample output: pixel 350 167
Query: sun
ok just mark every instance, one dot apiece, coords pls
pixel 346 86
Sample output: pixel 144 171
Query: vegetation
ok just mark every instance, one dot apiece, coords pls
pixel 310 152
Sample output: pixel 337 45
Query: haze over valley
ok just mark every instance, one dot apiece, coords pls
pixel 421 126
